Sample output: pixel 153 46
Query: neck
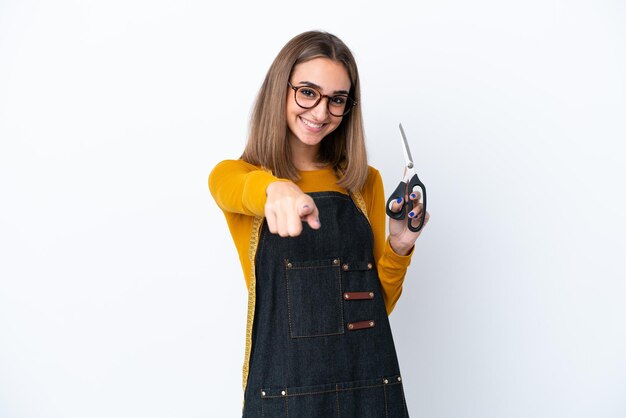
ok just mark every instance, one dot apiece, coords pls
pixel 304 157
pixel 308 165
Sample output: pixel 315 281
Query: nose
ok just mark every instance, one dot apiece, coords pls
pixel 320 111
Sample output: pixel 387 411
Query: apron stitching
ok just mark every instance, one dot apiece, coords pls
pixel 341 299
pixel 288 303
pixel 321 392
pixel 337 397
pixel 385 393
pixel 406 410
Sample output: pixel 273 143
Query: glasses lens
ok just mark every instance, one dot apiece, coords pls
pixel 307 97
pixel 338 105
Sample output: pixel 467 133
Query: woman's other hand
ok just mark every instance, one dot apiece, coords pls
pixel 401 237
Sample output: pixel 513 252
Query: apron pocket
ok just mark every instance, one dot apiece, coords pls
pixel 374 398
pixel 314 298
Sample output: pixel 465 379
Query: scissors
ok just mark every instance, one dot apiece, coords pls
pixel 409 184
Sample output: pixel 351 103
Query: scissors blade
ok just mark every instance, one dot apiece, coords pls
pixel 406 149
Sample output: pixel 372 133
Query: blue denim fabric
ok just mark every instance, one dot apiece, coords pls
pixel 308 359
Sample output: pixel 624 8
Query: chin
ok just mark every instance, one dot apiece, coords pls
pixel 311 140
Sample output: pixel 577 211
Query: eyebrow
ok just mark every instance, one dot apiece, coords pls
pixel 311 84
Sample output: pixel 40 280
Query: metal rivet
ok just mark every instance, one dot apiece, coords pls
pixel 346 296
pixel 345 267
pixel 369 266
pixel 350 326
pixel 283 393
pixel 336 261
pixel 385 381
pixel 262 393
pixel 399 379
pixel 371 323
pixel 289 265
pixel 371 294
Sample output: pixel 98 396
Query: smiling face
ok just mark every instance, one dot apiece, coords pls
pixel 308 127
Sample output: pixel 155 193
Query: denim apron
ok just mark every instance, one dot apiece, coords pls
pixel 321 340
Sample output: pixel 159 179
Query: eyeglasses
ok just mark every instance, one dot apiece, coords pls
pixel 308 97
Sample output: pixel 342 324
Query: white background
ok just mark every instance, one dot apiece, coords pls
pixel 120 289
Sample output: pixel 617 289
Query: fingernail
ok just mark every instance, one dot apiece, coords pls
pixel 413 195
pixel 318 221
pixel 411 214
pixel 399 200
pixel 305 207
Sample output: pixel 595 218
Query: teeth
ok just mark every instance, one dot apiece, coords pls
pixel 311 124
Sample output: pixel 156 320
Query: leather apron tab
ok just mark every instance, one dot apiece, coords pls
pixel 353 326
pixel 358 295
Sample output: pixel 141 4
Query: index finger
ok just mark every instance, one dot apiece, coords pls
pixel 312 215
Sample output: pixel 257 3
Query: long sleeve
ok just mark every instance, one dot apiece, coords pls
pixel 239 187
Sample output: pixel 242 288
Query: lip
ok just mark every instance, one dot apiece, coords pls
pixel 311 128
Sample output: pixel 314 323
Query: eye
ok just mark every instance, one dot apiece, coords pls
pixel 339 100
pixel 308 93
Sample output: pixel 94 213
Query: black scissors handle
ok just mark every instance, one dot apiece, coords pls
pixel 403 191
pixel 400 192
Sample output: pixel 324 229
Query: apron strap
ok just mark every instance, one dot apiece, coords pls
pixel 360 203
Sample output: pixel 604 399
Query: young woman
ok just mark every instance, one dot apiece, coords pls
pixel 307 215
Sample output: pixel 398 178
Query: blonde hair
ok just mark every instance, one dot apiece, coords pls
pixel 268 145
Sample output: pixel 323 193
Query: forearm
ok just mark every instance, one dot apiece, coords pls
pixel 392 270
pixel 240 187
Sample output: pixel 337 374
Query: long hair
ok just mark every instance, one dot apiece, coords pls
pixel 268 144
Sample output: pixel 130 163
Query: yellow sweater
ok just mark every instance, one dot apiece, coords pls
pixel 239 190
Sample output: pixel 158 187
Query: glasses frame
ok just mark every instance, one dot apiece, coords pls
pixel 349 105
